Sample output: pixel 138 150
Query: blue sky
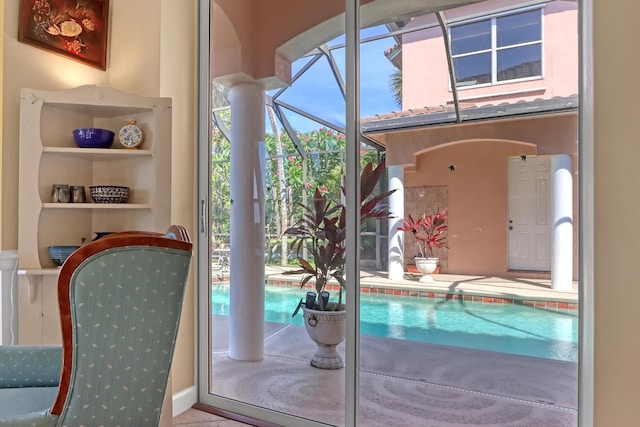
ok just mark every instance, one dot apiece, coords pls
pixel 317 91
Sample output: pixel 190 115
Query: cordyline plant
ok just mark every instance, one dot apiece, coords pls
pixel 428 230
pixel 323 228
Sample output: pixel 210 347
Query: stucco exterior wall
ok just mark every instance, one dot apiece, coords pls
pixel 477 189
pixel 477 200
pixel 426 75
pixel 556 134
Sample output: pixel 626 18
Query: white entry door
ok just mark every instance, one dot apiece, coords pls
pixel 529 216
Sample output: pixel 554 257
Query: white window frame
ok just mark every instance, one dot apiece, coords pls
pixel 494 49
pixel 587 256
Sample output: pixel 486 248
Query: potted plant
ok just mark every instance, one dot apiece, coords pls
pixel 322 228
pixel 429 231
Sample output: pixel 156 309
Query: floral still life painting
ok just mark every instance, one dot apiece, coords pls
pixel 76 29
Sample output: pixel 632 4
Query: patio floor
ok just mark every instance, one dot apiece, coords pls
pixel 407 383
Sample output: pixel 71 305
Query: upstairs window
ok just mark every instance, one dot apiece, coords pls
pixel 498 49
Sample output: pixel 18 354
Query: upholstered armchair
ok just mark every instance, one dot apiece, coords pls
pixel 120 300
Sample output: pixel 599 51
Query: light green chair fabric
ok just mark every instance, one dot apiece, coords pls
pixel 120 313
pixel 28 366
pixel 29 378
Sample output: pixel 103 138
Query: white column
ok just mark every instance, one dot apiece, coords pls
pixel 8 298
pixel 562 184
pixel 396 237
pixel 246 308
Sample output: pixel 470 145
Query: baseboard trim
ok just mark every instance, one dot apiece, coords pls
pixel 183 400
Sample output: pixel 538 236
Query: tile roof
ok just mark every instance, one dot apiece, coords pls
pixel 443 114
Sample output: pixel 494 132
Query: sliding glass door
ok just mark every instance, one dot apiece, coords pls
pixel 275 136
pixel 300 103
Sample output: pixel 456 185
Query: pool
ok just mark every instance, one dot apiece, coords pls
pixel 507 328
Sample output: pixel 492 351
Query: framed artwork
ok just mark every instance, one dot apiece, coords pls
pixel 76 29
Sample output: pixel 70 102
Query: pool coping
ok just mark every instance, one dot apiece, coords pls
pixel 536 293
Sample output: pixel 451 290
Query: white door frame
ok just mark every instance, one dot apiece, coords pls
pixel 548 235
pixel 529 205
pixel 586 232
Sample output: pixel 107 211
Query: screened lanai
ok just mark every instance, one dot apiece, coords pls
pixel 460 101
pixel 498 88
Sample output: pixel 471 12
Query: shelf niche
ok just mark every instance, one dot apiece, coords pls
pixel 49 155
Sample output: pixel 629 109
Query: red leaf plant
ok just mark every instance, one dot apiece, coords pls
pixel 323 229
pixel 428 230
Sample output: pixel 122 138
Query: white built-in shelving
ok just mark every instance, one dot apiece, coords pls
pixel 49 155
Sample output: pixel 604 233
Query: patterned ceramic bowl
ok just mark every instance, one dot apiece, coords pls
pixel 109 194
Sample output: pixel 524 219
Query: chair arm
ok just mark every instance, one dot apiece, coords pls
pixel 30 366
pixel 33 419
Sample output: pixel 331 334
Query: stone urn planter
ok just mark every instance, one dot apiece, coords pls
pixel 327 330
pixel 322 229
pixel 426 266
pixel 429 232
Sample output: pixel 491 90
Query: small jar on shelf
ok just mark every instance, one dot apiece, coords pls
pixel 60 193
pixel 77 194
pixel 130 135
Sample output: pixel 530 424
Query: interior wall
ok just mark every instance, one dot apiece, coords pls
pixel 178 80
pixel 1 112
pixel 617 208
pixel 28 66
pixel 152 52
pixel 616 174
pixel 134 46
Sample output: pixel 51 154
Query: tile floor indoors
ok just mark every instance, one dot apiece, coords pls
pixel 195 418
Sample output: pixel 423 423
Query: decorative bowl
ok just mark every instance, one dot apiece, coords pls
pixel 59 254
pixel 93 137
pixel 109 194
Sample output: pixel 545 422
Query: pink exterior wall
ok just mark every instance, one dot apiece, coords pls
pixel 477 208
pixel 552 134
pixel 477 189
pixel 245 46
pixel 426 76
pixel 258 40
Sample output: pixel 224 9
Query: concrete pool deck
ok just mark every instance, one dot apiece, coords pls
pixel 408 383
pixel 402 383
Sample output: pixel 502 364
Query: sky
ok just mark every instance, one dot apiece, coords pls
pixel 318 92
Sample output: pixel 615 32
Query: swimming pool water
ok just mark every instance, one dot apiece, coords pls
pixel 507 328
